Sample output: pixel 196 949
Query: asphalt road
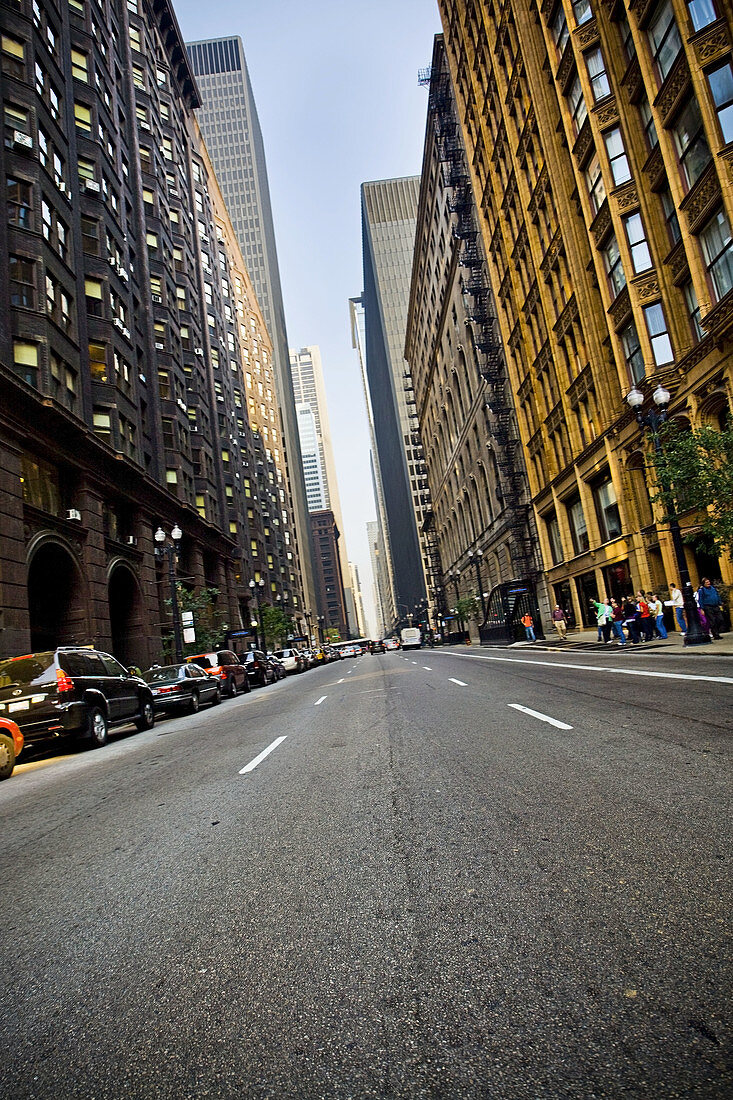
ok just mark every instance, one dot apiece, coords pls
pixel 421 891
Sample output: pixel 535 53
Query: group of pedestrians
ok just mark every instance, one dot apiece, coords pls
pixel 640 618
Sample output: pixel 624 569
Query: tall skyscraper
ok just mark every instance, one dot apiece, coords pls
pixel 389 215
pixel 231 129
pixel 316 449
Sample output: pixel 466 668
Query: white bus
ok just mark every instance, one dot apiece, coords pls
pixel 411 638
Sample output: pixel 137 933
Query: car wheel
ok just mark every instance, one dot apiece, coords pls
pixel 98 732
pixel 146 721
pixel 7 756
pixel 217 697
pixel 194 703
pixel 231 687
pixel 247 687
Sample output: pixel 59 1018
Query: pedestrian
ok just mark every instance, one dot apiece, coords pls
pixel 559 621
pixel 657 609
pixel 677 601
pixel 528 624
pixel 646 622
pixel 631 619
pixel 708 600
pixel 617 621
pixel 604 615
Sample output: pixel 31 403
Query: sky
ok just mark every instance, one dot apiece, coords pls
pixel 336 88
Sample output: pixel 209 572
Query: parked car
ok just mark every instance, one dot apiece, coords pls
pixel 182 687
pixel 377 646
pixel 277 666
pixel 392 643
pixel 72 691
pixel 227 667
pixel 291 659
pixel 258 669
pixel 11 745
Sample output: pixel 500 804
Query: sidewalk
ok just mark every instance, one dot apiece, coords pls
pixel 673 644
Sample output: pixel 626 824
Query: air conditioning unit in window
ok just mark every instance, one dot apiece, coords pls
pixel 159 346
pixel 21 140
pixel 122 272
pixel 131 540
pixel 199 351
pixel 73 513
pixel 118 323
pixel 144 125
pixel 126 332
pixel 91 185
pixel 157 298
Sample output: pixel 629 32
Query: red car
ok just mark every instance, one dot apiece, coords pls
pixel 11 744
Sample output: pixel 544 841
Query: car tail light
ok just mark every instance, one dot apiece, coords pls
pixel 165 691
pixel 63 682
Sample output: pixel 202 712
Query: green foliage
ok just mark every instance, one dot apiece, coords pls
pixel 468 608
pixel 277 627
pixel 694 471
pixel 209 622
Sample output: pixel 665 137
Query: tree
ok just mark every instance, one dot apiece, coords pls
pixel 694 469
pixel 277 626
pixel 209 622
pixel 467 608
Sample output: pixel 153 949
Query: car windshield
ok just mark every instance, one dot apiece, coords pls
pixel 165 672
pixel 32 669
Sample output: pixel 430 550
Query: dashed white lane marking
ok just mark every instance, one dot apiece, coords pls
pixel 600 668
pixel 542 717
pixel 319 701
pixel 340 681
pixel 258 759
pixel 414 662
pixel 459 682
pixel 427 669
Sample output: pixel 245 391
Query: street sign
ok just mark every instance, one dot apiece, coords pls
pixel 187 618
pixel 189 634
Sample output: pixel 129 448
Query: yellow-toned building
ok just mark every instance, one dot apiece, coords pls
pixel 599 138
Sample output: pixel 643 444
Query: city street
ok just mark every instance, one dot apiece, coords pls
pixel 456 873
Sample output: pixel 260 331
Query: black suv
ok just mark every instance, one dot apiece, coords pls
pixel 258 668
pixel 72 691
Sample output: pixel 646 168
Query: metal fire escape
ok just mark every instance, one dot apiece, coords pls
pixel 479 301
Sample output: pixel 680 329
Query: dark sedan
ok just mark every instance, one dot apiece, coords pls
pixel 182 687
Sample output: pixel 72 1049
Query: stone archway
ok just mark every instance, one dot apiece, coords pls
pixel 129 641
pixel 57 603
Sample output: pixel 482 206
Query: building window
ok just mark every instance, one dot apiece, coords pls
pixel 93 292
pixel 614 267
pixel 17 123
pixel 578 109
pixel 102 423
pixel 657 329
pixel 90 236
pixel 702 13
pixel 12 57
pixel 617 156
pixel 717 247
pixel 582 11
pixel 664 38
pixel 83 118
pixel 22 282
pixel 20 203
pixel 721 86
pixel 650 126
pixel 597 73
pixel 670 214
pixel 693 308
pixel 627 38
pixel 80 66
pixel 86 169
pixel 640 258
pixel 98 362
pixel 559 28
pixel 632 352
pixel 594 183
pixel 692 146
pixel 553 535
pixel 25 358
pixel 578 526
pixel 604 498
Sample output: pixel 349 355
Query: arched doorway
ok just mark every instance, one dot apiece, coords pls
pixel 129 641
pixel 57 602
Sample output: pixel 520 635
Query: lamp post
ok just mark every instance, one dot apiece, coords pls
pixel 652 419
pixel 308 618
pixel 477 558
pixel 169 548
pixel 255 588
pixel 455 577
pixel 321 621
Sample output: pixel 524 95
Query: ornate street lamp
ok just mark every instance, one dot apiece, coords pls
pixel 652 419
pixel 477 558
pixel 308 617
pixel 256 588
pixel 321 621
pixel 170 548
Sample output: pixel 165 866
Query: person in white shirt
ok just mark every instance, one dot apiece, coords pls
pixel 677 601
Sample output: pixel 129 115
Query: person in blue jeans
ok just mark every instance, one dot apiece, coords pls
pixel 677 601
pixel 657 609
pixel 528 624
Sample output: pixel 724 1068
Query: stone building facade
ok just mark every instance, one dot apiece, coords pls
pixel 126 325
pixel 598 138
